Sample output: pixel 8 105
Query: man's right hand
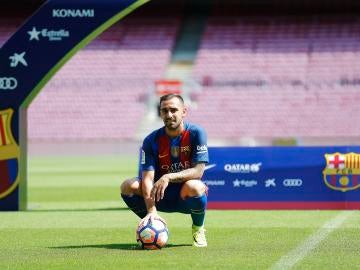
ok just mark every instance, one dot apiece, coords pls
pixel 152 216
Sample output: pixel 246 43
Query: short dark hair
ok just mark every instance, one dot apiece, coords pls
pixel 170 96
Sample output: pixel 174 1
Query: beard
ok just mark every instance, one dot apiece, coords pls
pixel 172 125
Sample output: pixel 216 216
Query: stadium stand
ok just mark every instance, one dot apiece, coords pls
pixel 279 76
pixel 278 112
pixel 279 50
pixel 263 73
pixel 99 94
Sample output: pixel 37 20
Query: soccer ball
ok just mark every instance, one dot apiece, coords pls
pixel 152 234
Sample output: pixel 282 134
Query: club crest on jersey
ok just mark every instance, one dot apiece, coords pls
pixel 9 155
pixel 175 151
pixel 342 171
pixel 185 149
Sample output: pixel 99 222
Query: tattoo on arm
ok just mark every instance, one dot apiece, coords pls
pixel 188 174
pixel 179 178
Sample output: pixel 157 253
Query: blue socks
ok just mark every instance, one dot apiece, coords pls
pixel 136 204
pixel 197 206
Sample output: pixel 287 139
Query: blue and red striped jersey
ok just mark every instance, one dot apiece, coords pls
pixel 163 154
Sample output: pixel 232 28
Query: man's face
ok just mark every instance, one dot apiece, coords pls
pixel 172 112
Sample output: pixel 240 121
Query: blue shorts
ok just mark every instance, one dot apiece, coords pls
pixel 171 202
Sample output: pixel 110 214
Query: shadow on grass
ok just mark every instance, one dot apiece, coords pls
pixel 79 209
pixel 117 246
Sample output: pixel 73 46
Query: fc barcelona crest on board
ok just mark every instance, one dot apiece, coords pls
pixel 9 155
pixel 342 171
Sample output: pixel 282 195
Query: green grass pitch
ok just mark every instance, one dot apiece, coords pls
pixel 76 220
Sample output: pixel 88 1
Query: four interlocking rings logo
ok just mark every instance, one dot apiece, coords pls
pixel 8 83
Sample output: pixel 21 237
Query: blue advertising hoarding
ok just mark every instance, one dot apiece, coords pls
pixel 283 177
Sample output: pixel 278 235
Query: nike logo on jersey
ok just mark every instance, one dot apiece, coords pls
pixel 162 156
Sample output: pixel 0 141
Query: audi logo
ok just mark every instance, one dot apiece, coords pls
pixel 292 182
pixel 8 83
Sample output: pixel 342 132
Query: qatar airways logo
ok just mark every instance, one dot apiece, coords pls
pixel 73 13
pixel 176 167
pixel 243 167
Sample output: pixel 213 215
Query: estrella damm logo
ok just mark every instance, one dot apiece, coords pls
pixel 342 171
pixel 9 155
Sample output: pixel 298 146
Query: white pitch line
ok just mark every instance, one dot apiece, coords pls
pixel 294 256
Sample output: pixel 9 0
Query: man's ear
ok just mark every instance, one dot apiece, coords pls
pixel 185 110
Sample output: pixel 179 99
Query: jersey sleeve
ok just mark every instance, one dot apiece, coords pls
pixel 147 156
pixel 200 149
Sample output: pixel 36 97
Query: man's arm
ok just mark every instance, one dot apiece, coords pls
pixel 147 184
pixel 158 189
pixel 195 172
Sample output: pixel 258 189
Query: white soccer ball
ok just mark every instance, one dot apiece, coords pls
pixel 152 234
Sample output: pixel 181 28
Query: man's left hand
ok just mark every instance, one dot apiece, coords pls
pixel 158 190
